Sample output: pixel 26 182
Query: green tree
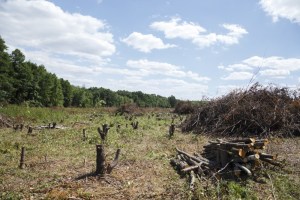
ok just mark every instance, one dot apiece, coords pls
pixel 22 76
pixel 172 101
pixel 67 92
pixel 6 86
pixel 45 86
pixel 56 94
pixel 82 97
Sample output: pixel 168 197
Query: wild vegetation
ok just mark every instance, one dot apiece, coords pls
pixel 58 161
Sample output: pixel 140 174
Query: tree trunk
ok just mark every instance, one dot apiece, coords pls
pixel 22 160
pixel 100 160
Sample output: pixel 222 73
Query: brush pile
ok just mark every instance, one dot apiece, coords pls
pixel 255 111
pixel 240 157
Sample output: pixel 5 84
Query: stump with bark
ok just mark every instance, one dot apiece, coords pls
pixel 101 167
pixel 171 130
pixel 135 125
pixel 103 132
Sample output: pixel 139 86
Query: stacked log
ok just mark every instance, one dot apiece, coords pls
pixel 240 157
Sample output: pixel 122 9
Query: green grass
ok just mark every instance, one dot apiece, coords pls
pixel 55 158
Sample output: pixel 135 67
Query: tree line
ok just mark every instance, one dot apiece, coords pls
pixel 23 81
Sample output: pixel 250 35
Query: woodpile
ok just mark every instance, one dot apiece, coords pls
pixel 240 157
pixel 257 111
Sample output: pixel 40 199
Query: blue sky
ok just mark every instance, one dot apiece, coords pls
pixel 191 49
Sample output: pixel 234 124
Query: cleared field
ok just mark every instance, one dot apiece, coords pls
pixel 58 162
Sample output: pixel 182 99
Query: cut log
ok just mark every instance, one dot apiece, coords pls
pixel 194 158
pixel 237 151
pixel 259 145
pixel 198 165
pixel 246 140
pixel 272 162
pixel 264 155
pixel 178 164
pixel 243 168
pixel 192 180
pixel 251 158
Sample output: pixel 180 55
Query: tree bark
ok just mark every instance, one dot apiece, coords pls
pixel 100 160
pixel 114 163
pixel 22 160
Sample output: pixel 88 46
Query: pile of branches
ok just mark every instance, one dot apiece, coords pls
pixel 255 111
pixel 240 158
pixel 184 107
pixel 129 108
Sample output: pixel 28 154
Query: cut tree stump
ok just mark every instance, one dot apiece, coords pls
pixel 171 130
pixel 22 159
pixel 84 134
pixel 103 133
pixel 100 160
pixel 30 129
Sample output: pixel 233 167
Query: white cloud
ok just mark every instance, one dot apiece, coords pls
pixel 43 26
pixel 238 67
pixel 276 67
pixel 273 62
pixel 145 43
pixel 176 28
pixel 289 9
pixel 152 67
pixel 232 37
pixel 238 76
pixel 275 72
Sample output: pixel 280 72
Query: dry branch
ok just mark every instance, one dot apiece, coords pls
pixel 114 163
pixel 256 110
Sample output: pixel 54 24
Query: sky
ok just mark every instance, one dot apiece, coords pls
pixel 191 49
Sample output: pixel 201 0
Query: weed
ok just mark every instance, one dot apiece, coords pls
pixel 10 196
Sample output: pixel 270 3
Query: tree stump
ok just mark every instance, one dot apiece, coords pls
pixel 84 134
pixel 22 160
pixel 135 125
pixel 30 129
pixel 100 160
pixel 171 130
pixel 103 133
pixel 53 125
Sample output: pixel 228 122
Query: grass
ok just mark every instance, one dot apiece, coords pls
pixel 56 158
